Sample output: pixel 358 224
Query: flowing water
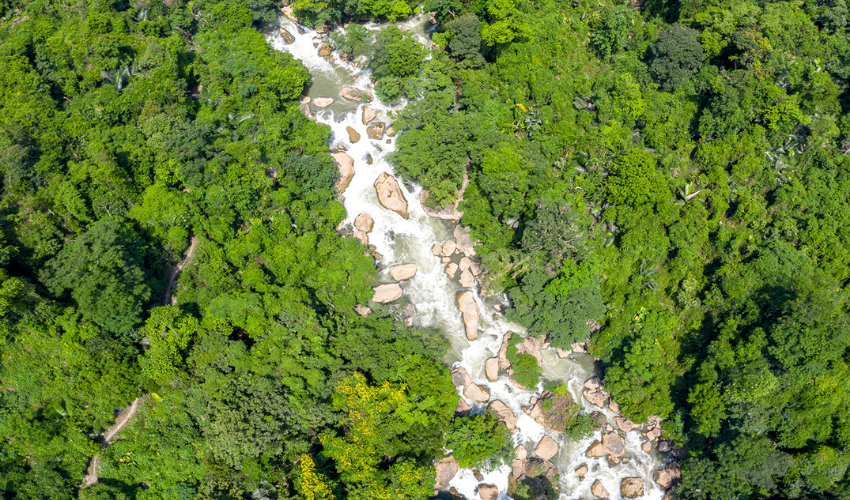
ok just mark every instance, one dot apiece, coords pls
pixel 402 241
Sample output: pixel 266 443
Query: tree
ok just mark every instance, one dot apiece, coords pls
pixel 675 57
pixel 480 441
pixel 465 43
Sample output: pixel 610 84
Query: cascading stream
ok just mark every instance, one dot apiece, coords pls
pixel 403 241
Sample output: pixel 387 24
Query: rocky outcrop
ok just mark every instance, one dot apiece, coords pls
pixel 625 424
pixel 287 11
pixel 595 397
pixel 505 414
pixel 389 194
pixel 353 135
pixel 631 487
pixel 354 94
pixel 668 477
pixel 363 237
pixel 369 114
pixel 646 446
pixel 387 292
pixel 364 222
pixel 613 444
pixel 476 393
pixel 546 448
pixel 504 364
pixel 599 490
pixel 446 470
pixel 375 131
pixel 391 131
pixel 532 346
pixel 581 471
pixel 595 450
pixel 408 314
pixel 491 369
pixel 437 249
pixel 403 272
pixel 465 245
pixel 613 406
pixel 323 102
pixel 450 211
pixel 470 313
pixel 286 35
pixel 518 464
pixel 345 164
pixel 467 280
pixel 462 408
pixel 487 492
pixel 451 270
pixel 448 249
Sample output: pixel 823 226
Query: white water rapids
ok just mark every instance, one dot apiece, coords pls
pixel 433 293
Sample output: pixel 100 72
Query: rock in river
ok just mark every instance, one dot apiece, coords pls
pixel 369 114
pixel 546 448
pixel 375 131
pixel 345 163
pixel 364 222
pixel 487 492
pixel 631 487
pixel 403 272
pixel 612 443
pixel 446 470
pixel 387 292
pixel 323 102
pixel 491 368
pixel 599 490
pixel 470 312
pixel 356 94
pixel 505 414
pixel 389 194
pixel 286 35
pixel 353 135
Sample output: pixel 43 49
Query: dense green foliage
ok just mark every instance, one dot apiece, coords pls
pixel 668 182
pixel 129 134
pixel 480 441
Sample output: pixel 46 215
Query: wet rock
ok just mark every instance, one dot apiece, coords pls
pixel 325 51
pixel 562 353
pixel 323 102
pixel 646 446
pixel 305 109
pixel 520 462
pixel 625 424
pixel 668 477
pixel 612 461
pixel 368 159
pixel 476 393
pixel 470 313
pixel 664 446
pixel 505 414
pixel 487 492
pixel 451 270
pixel 631 487
pixel 389 194
pixel 579 347
pixel 593 383
pixel 599 490
pixel 362 310
pixel 353 135
pixel 403 272
pixel 504 364
pixel 595 450
pixel 355 94
pixel 462 408
pixel 345 163
pixel 363 237
pixel 596 397
pixel 464 263
pixel 609 428
pixel 460 377
pixel 546 448
pixel 654 433
pixel 614 407
pixel 387 292
pixel 449 248
pixel 377 256
pixel 521 453
pixel 408 314
pixel 287 11
pixel 612 443
pixel 491 368
pixel 304 99
pixel 437 249
pixel 391 131
pixel 446 469
pixel 341 147
pixel 465 245
pixel 467 280
pixel 369 114
pixel 286 35
pixel 375 131
pixel 478 475
pixel 581 471
pixel 364 222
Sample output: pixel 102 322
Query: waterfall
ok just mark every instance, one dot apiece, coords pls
pixel 402 241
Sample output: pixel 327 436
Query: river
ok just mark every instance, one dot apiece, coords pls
pixel 403 241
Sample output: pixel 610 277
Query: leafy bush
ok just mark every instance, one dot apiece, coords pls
pixel 526 371
pixel 675 57
pixel 480 441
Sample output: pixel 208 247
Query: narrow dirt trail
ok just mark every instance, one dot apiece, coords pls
pixel 190 254
pixel 110 433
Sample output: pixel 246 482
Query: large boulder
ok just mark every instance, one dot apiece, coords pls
pixel 504 364
pixel 323 102
pixel 625 424
pixel 595 450
pixel 593 384
pixel 581 471
pixel 389 194
pixel 546 448
pixel 403 272
pixel 437 249
pixel 505 414
pixel 446 470
pixel 354 94
pixel 345 164
pixel 286 35
pixel 387 292
pixel 599 490
pixel 451 270
pixel 491 368
pixel 369 114
pixel 462 408
pixel 375 131
pixel 613 444
pixel 467 280
pixel 449 248
pixel 595 397
pixel 470 313
pixel 487 492
pixel 668 477
pixel 364 222
pixel 476 393
pixel 631 487
pixel 353 135
pixel 465 245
